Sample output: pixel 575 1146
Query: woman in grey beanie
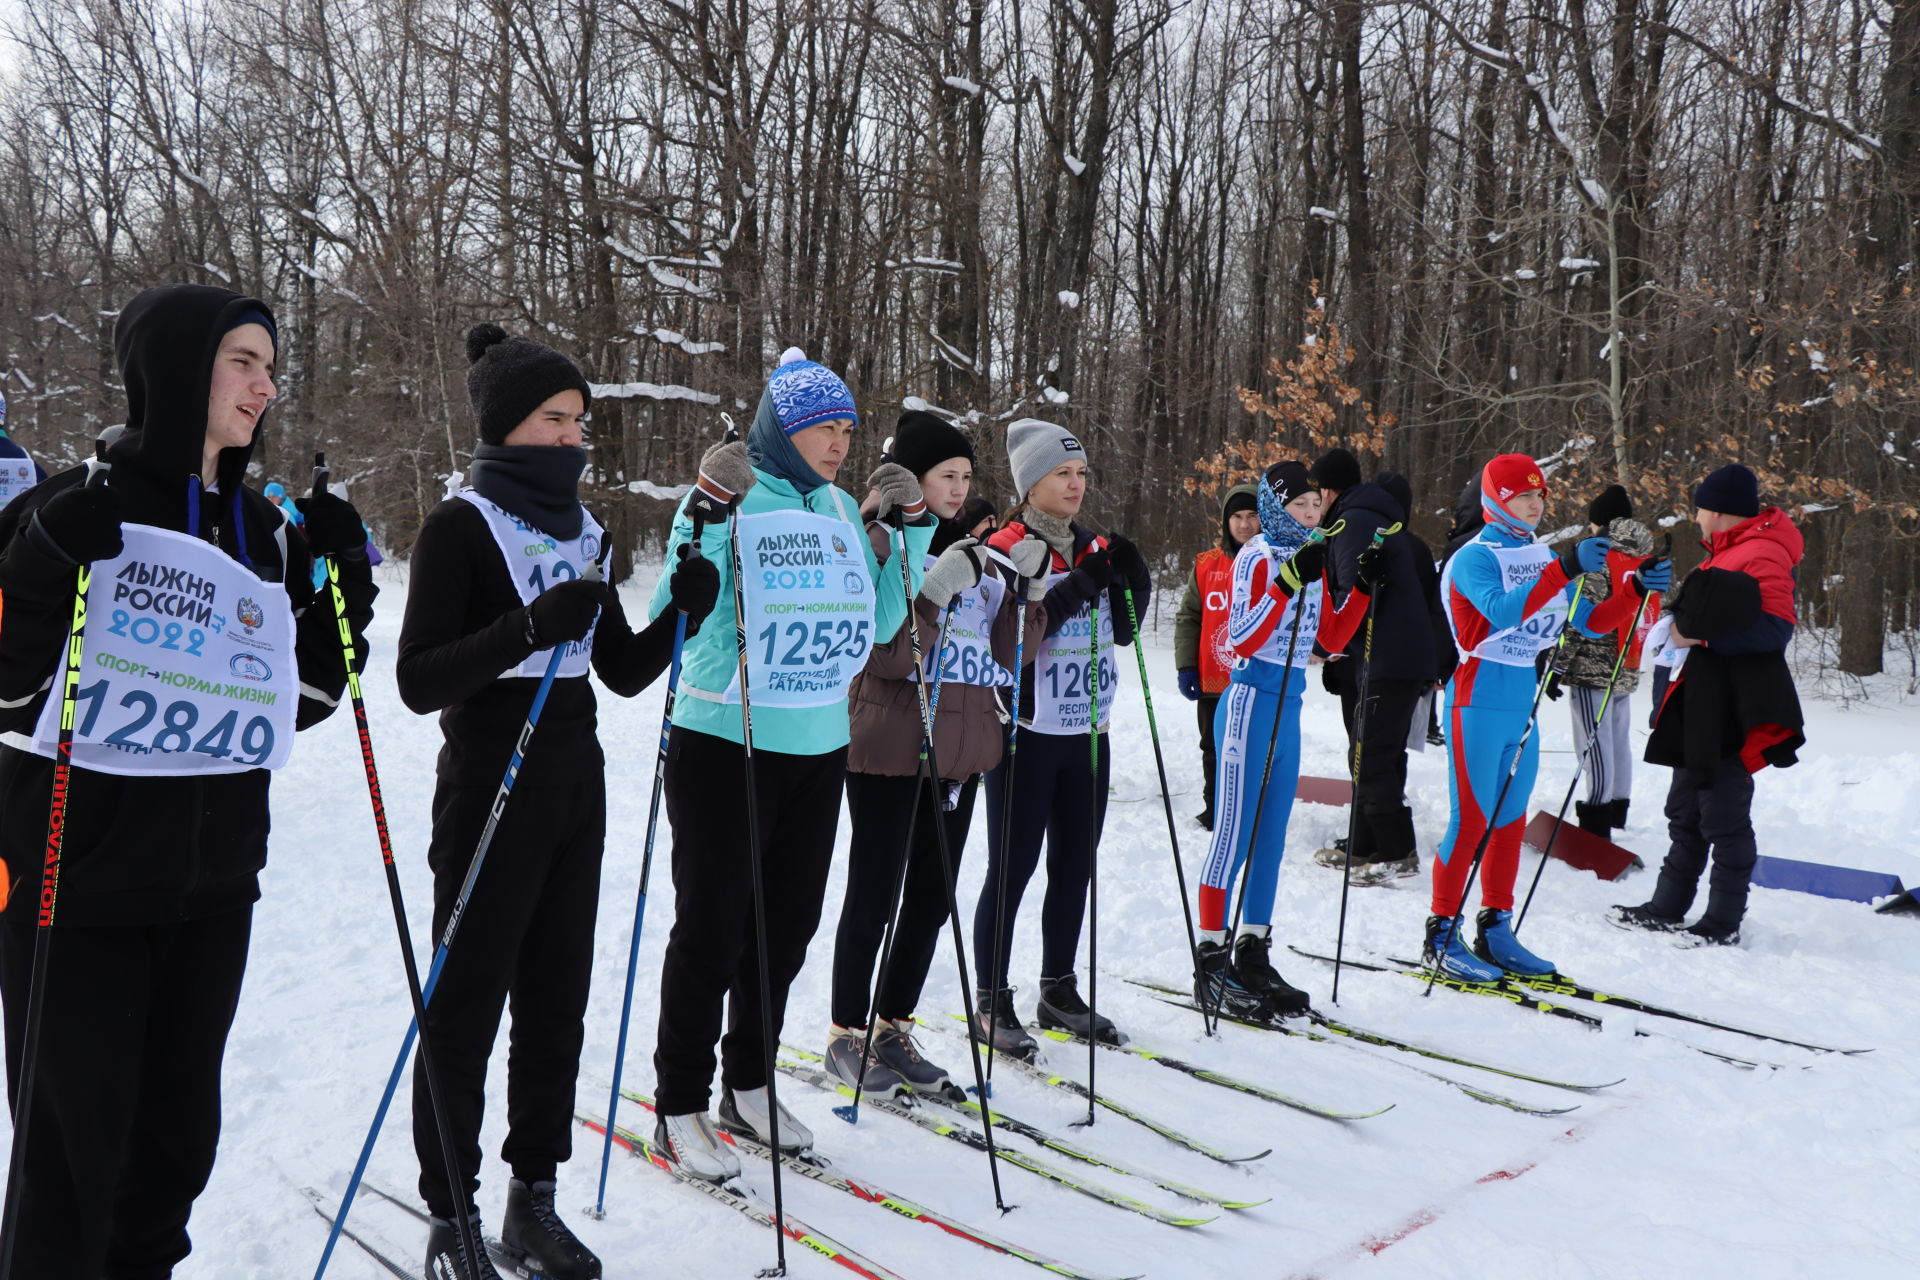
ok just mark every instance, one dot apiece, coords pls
pixel 1056 797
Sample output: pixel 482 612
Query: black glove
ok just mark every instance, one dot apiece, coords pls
pixel 1094 573
pixel 1128 564
pixel 1370 569
pixel 1553 686
pixel 333 527
pixel 79 526
pixel 1308 563
pixel 693 589
pixel 566 612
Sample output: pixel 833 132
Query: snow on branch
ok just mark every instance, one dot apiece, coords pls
pixel 667 337
pixel 1761 84
pixel 963 84
pixel 649 391
pixel 952 354
pixel 664 492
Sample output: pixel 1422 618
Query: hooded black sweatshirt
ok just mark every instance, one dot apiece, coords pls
pixel 1410 637
pixel 144 850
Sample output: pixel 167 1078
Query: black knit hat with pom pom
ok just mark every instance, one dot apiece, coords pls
pixel 511 377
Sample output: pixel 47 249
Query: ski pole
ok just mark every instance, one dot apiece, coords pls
pixel 1513 768
pixel 922 781
pixel 469 1235
pixel 446 944
pixel 758 878
pixel 1359 739
pixel 1160 763
pixel 930 769
pixel 97 473
pixel 1579 766
pixel 689 551
pixel 1093 852
pixel 999 972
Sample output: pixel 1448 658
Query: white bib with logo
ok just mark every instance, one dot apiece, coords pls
pixel 187 667
pixel 16 477
pixel 809 607
pixel 1515 646
pixel 535 562
pixel 1064 669
pixel 967 657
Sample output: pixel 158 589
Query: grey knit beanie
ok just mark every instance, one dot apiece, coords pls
pixel 1035 448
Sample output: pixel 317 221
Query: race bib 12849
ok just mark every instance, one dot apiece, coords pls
pixel 187 666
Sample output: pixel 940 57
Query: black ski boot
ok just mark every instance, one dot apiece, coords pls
pixel 537 1242
pixel 1617 815
pixel 997 1026
pixel 1216 990
pixel 1645 917
pixel 1706 932
pixel 1253 970
pixel 1597 818
pixel 446 1257
pixel 1061 1008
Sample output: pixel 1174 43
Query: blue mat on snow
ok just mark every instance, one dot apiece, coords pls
pixel 1825 881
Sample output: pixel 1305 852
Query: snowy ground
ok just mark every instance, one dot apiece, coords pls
pixel 1688 1168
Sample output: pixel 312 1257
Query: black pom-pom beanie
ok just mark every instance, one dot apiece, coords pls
pixel 511 377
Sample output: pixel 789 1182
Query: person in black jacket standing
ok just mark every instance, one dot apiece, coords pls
pixel 502 573
pixel 160 869
pixel 1411 652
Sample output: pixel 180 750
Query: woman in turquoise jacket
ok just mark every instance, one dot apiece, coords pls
pixel 818 598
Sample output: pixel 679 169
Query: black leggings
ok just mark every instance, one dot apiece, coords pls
pixel 712 955
pixel 525 942
pixel 880 807
pixel 1056 798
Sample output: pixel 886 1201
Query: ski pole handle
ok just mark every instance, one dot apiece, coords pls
pixel 322 473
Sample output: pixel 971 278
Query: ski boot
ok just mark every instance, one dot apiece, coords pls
pixel 1643 917
pixel 996 1026
pixel 1253 970
pixel 1497 945
pixel 1333 856
pixel 843 1064
pixel 894 1045
pixel 447 1257
pixel 1617 815
pixel 1060 1008
pixel 1705 933
pixel 745 1111
pixel 1446 952
pixel 689 1144
pixel 1215 987
pixel 1373 871
pixel 537 1242
pixel 1596 818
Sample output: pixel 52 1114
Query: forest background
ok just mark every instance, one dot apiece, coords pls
pixel 1638 238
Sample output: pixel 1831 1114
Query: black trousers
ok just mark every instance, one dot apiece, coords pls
pixel 1714 821
pixel 1384 824
pixel 1205 707
pixel 126 1095
pixel 1057 799
pixel 881 808
pixel 526 940
pixel 712 954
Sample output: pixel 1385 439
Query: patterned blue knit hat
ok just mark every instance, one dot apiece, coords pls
pixel 804 394
pixel 1283 482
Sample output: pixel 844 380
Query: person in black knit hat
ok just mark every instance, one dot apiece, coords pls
pixel 160 867
pixel 505 573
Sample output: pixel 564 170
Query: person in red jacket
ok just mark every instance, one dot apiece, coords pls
pixel 1201 656
pixel 1730 709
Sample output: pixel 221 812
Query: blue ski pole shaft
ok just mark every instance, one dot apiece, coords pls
pixel 440 952
pixel 691 549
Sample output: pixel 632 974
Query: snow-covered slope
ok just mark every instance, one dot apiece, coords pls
pixel 1687 1168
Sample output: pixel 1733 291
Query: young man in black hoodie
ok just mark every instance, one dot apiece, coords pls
pixel 160 870
pixel 503 573
pixel 1411 651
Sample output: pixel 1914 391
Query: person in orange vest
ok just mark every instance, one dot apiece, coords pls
pixel 1200 652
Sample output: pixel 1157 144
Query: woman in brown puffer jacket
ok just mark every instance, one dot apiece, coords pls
pixel 971 591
